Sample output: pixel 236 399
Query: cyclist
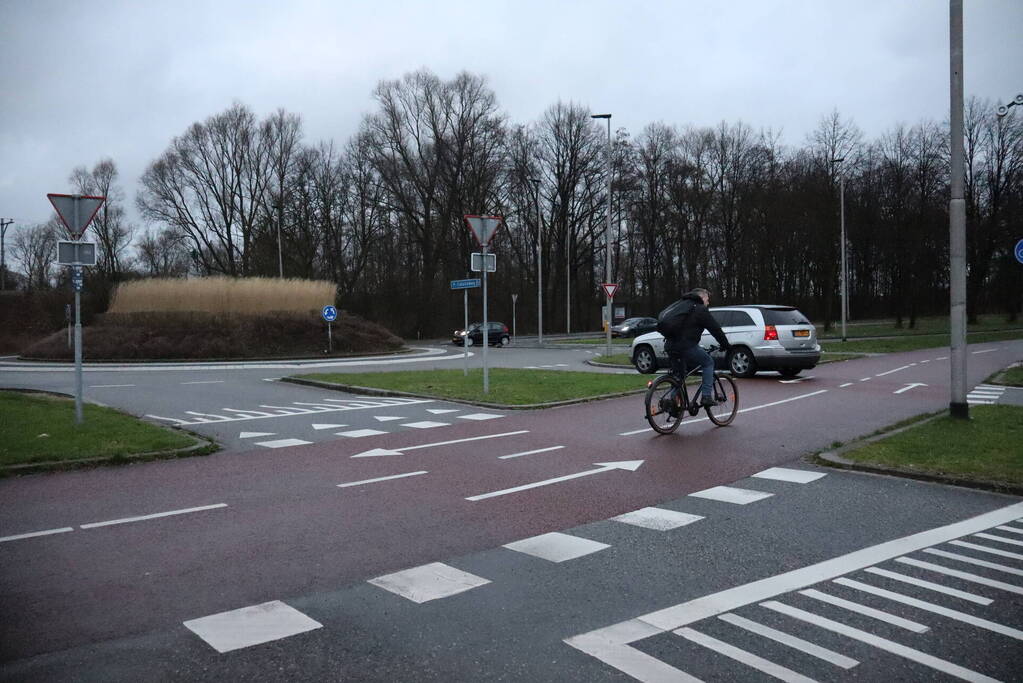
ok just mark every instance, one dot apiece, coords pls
pixel 683 345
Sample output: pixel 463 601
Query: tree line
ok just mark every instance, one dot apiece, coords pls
pixel 727 207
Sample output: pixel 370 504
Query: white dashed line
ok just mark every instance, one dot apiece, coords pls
pixel 984 351
pixel 538 450
pixel 157 515
pixel 373 481
pixel 109 386
pixel 209 381
pixel 847 384
pixel 34 534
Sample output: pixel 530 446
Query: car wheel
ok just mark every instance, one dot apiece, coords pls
pixel 741 362
pixel 469 341
pixel 505 340
pixel 789 373
pixel 644 360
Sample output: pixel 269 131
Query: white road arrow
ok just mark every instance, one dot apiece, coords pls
pixel 384 451
pixel 631 465
pixel 252 435
pixel 908 387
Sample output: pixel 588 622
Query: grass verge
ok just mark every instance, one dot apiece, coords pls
pixel 985 448
pixel 928 325
pixel 1012 377
pixel 911 343
pixel 37 428
pixel 616 359
pixel 507 386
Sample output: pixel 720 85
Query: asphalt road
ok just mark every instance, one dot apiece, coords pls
pixel 107 591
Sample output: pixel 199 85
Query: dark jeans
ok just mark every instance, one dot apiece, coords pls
pixel 691 357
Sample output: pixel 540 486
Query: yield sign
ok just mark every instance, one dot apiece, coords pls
pixel 609 289
pixel 484 227
pixel 76 211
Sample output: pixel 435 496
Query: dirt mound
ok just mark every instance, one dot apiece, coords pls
pixel 207 336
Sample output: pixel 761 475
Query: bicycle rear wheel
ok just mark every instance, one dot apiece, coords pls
pixel 726 393
pixel 664 404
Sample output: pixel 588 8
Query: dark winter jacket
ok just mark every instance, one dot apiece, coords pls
pixel 698 320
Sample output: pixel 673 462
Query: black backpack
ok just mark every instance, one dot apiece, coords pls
pixel 671 320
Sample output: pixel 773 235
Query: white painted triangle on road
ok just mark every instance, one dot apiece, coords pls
pixel 252 435
pixel 376 452
pixel 387 418
pixel 325 426
pixel 441 411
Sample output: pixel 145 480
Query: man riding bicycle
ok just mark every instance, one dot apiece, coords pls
pixel 682 341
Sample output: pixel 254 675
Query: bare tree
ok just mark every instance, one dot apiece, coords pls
pixel 36 249
pixel 163 253
pixel 110 225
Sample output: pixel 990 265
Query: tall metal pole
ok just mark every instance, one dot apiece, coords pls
pixel 539 266
pixel 77 276
pixel 568 280
pixel 486 325
pixel 465 339
pixel 280 251
pixel 845 272
pixel 607 236
pixel 958 407
pixel 3 256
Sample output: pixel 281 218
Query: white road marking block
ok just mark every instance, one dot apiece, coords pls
pixel 428 582
pixel 252 435
pixel 376 452
pixel 965 576
pixel 34 534
pixel 880 615
pixel 785 474
pixel 657 519
pixel 250 626
pixel 441 411
pixel 359 433
pixel 929 585
pixel 326 426
pixel 479 416
pixel 387 418
pixel 373 481
pixel 730 494
pixel 425 425
pixel 156 515
pixel 972 560
pixel 556 546
pixel 282 443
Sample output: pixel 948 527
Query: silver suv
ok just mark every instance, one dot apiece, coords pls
pixel 762 338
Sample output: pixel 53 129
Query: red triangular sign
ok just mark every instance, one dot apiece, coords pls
pixel 609 289
pixel 75 211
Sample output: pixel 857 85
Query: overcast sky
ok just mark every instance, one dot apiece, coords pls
pixel 82 81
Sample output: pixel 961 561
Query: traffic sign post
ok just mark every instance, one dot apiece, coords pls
pixel 1019 251
pixel 515 297
pixel 330 315
pixel 76 212
pixel 609 289
pixel 465 286
pixel 484 228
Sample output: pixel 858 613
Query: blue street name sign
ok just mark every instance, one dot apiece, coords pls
pixel 329 314
pixel 465 284
pixel 1019 251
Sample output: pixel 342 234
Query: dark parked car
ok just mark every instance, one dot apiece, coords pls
pixel 633 327
pixel 496 334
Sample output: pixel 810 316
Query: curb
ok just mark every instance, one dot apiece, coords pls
pixel 236 359
pixel 834 459
pixel 371 391
pixel 598 364
pixel 202 446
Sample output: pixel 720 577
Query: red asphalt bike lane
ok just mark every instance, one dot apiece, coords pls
pixel 288 530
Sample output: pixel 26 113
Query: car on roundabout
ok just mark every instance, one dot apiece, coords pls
pixel 497 335
pixel 763 337
pixel 633 327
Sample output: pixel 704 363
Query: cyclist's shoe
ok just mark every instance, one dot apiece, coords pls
pixel 708 402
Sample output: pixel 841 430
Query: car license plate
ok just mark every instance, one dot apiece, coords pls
pixel 801 333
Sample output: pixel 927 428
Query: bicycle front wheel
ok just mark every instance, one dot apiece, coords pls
pixel 664 404
pixel 726 393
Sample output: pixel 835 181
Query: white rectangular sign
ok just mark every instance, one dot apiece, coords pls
pixel 476 262
pixel 76 253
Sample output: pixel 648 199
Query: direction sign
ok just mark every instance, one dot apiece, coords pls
pixel 484 227
pixel 476 262
pixel 469 283
pixel 609 289
pixel 76 211
pixel 329 314
pixel 1019 251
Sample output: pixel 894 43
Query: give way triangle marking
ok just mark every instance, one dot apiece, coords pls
pixel 631 465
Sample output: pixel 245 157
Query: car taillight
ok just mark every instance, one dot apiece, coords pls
pixel 771 333
pixel 505 327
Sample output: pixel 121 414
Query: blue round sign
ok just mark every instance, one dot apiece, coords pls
pixel 1019 251
pixel 329 314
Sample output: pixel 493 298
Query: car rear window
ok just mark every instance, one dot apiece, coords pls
pixel 784 316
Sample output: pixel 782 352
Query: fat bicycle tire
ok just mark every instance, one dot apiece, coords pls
pixel 726 393
pixel 664 410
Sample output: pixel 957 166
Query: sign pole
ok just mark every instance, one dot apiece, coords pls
pixel 465 339
pixel 515 298
pixel 486 336
pixel 78 336
pixel 330 340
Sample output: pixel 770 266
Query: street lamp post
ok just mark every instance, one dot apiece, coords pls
pixel 607 238
pixel 845 273
pixel 539 265
pixel 279 205
pixel 3 257
pixel 958 407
